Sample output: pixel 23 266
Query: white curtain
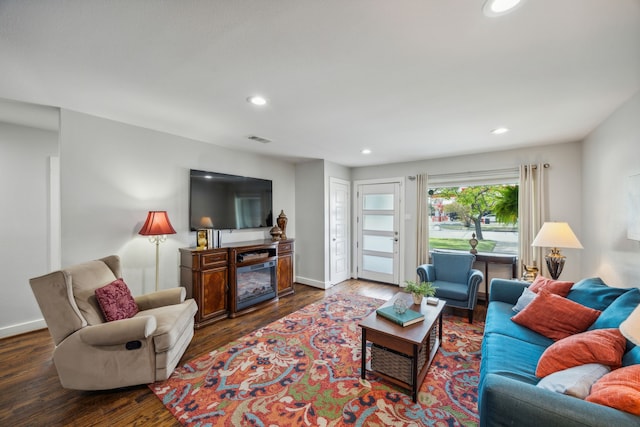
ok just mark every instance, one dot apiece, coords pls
pixel 422 218
pixel 531 212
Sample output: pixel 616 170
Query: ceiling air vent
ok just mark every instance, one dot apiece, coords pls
pixel 259 139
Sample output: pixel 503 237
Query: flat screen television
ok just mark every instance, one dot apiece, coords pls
pixel 229 202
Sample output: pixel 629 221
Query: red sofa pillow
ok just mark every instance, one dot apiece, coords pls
pixel 555 317
pixel 116 301
pixel 604 346
pixel 618 389
pixel 554 286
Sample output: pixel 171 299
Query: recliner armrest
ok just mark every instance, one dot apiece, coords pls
pixel 118 331
pixel 161 298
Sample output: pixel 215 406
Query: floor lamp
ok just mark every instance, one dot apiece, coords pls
pixel 556 235
pixel 157 226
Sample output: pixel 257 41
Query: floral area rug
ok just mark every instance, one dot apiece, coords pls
pixel 304 370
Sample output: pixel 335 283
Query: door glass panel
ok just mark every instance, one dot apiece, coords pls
pixel 378 202
pixel 377 264
pixel 378 243
pixel 378 222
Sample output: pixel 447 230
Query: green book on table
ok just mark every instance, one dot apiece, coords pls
pixel 407 318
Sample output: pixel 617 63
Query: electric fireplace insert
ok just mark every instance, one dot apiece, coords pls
pixel 255 283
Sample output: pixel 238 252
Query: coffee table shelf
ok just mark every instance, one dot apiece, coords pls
pixel 403 342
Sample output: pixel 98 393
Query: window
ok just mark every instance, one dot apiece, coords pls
pixel 481 204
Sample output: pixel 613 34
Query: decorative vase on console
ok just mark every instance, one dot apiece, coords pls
pixel 276 233
pixel 282 223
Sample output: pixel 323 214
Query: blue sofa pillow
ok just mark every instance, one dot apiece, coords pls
pixel 631 357
pixel 594 293
pixel 618 311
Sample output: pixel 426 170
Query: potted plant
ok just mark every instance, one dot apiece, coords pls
pixel 419 290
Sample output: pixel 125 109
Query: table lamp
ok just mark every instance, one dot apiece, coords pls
pixel 556 235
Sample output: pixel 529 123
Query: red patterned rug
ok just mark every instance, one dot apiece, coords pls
pixel 304 370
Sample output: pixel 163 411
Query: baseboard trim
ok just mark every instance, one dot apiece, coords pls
pixel 311 282
pixel 21 328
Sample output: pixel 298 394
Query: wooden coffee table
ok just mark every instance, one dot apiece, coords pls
pixel 404 342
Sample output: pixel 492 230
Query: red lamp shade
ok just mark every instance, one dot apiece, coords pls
pixel 157 223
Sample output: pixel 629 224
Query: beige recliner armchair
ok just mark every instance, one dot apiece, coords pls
pixel 92 354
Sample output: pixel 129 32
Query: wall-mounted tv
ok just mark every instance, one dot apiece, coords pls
pixel 229 202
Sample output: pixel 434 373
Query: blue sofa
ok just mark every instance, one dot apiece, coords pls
pixel 507 392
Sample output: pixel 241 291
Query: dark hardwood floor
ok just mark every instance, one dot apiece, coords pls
pixel 31 395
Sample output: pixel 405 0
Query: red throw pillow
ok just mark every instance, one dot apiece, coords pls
pixel 555 317
pixel 554 286
pixel 618 389
pixel 604 346
pixel 116 301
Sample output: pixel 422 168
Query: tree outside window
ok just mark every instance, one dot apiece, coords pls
pixel 488 211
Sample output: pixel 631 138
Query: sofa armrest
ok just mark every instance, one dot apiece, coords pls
pixel 508 402
pixel 506 290
pixel 161 298
pixel 118 331
pixel 426 273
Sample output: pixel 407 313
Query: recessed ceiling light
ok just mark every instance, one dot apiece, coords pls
pixel 499 131
pixel 366 151
pixel 494 8
pixel 257 100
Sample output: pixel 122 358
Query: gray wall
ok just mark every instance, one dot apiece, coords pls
pixel 112 174
pixel 564 189
pixel 310 246
pixel 611 154
pixel 25 154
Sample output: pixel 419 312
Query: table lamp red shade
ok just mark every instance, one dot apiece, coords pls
pixel 157 226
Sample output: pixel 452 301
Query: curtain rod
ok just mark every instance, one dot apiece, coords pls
pixel 478 173
pixel 545 165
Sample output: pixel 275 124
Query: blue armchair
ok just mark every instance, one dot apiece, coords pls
pixel 456 281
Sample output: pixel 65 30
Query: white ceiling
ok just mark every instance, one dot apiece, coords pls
pixel 408 79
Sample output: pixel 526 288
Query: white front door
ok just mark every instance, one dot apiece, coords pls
pixel 339 195
pixel 379 232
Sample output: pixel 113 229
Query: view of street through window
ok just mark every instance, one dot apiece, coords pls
pixel 487 212
pixel 498 238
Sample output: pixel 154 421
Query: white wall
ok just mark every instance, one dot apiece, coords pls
pixel 112 174
pixel 25 153
pixel 611 154
pixel 564 188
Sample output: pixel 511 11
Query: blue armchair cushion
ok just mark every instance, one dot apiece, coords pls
pixel 594 293
pixel 451 291
pixel 452 267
